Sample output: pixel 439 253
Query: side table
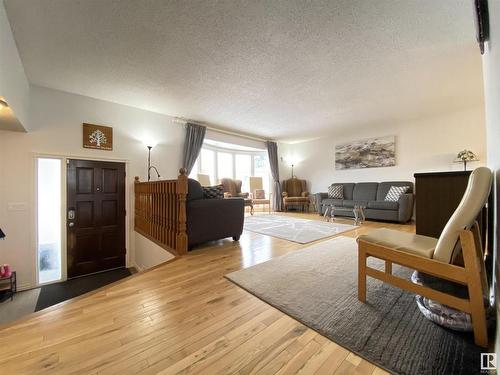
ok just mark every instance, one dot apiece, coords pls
pixel 9 285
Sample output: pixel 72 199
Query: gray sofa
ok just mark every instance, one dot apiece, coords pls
pixel 212 219
pixel 372 196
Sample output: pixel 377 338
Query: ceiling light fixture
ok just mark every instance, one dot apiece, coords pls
pixel 3 104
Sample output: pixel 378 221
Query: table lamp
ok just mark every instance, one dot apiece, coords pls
pixel 465 156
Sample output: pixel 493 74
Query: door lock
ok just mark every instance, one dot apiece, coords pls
pixel 71 214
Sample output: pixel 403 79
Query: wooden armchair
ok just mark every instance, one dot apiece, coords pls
pixel 437 257
pixel 258 194
pixel 294 192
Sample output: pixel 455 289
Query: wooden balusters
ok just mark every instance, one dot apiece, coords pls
pixel 160 212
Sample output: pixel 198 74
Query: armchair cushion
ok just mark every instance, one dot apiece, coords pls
pixel 415 244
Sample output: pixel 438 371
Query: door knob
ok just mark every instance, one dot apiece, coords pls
pixel 71 224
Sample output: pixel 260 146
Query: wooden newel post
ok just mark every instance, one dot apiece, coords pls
pixel 182 190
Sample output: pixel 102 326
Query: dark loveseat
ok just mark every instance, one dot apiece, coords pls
pixel 372 196
pixel 212 219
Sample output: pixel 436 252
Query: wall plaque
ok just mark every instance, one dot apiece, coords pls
pixel 98 137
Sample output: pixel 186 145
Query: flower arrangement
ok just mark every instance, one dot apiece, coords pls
pixel 465 156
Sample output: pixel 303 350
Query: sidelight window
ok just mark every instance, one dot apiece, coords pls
pixel 48 220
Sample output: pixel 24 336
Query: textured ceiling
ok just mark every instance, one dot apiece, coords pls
pixel 279 69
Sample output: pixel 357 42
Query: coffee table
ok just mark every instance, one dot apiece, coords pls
pixel 358 211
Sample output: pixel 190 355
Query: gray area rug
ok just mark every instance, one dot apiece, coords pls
pixel 294 229
pixel 318 287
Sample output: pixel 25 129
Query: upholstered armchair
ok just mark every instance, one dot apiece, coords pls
pixel 294 192
pixel 232 188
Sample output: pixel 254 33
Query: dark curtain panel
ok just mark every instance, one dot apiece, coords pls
pixel 195 134
pixel 272 152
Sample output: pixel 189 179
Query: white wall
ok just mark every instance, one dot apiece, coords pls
pixel 14 85
pixel 422 145
pixel 56 119
pixel 148 254
pixel 491 74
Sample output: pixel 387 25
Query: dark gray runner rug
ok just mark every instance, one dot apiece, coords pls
pixel 318 287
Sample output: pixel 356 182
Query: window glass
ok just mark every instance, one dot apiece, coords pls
pixel 243 168
pixel 194 171
pixel 261 169
pixel 224 165
pixel 49 219
pixel 208 163
pixel 218 163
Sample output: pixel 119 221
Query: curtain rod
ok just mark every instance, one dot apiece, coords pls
pixel 180 120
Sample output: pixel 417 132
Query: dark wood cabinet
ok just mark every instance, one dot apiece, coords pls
pixel 437 196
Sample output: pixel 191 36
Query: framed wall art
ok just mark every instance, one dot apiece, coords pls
pixel 366 153
pixel 97 137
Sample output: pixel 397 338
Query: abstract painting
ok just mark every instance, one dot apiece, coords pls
pixel 366 153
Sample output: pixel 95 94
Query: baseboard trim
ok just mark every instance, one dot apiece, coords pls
pixel 138 267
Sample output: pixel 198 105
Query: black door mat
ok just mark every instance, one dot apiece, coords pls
pixel 55 293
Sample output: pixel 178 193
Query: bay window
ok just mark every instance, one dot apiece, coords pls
pixel 232 161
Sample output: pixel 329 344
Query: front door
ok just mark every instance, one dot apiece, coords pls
pixel 95 216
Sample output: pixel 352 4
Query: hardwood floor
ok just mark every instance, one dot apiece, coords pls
pixel 181 317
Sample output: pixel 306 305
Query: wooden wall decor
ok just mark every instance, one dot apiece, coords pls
pixel 98 137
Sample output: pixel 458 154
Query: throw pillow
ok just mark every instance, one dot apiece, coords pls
pixel 395 192
pixel 213 192
pixel 259 194
pixel 336 191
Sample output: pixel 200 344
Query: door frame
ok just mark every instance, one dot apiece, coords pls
pixel 64 195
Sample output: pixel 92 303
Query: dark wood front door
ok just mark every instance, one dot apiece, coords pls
pixel 95 216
